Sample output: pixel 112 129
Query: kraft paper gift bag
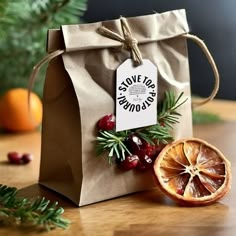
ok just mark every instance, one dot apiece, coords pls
pixel 80 89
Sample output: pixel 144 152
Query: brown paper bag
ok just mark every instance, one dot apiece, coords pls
pixel 79 90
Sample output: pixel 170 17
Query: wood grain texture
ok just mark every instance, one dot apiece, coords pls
pixel 145 213
pixel 224 108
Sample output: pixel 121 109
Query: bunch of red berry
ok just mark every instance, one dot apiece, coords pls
pixel 18 158
pixel 142 154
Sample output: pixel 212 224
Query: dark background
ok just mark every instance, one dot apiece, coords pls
pixel 212 20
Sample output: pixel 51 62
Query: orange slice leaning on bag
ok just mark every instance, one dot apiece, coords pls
pixel 193 172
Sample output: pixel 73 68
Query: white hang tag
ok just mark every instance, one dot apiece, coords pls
pixel 136 95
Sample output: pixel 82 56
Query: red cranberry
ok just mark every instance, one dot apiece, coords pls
pixel 145 161
pixel 152 150
pixel 107 122
pixel 129 163
pixel 148 148
pixel 27 157
pixel 14 158
pixel 134 144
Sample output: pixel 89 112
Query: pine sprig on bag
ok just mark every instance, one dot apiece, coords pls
pixel 155 132
pixel 22 211
pixel 115 142
pixel 167 114
pixel 167 117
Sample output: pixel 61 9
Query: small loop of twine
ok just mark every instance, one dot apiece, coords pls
pixel 128 40
pixel 210 59
pixel 36 69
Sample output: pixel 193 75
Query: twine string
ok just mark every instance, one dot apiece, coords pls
pixel 127 39
pixel 211 61
pixel 36 69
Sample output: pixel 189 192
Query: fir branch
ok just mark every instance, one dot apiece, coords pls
pixel 201 117
pixel 167 109
pixel 155 133
pixel 22 211
pixel 113 142
pixel 167 116
pixel 46 11
pixel 30 20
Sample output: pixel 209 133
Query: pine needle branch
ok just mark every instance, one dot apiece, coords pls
pixel 167 110
pixel 114 143
pixel 201 117
pixel 155 134
pixel 22 211
pixel 167 117
pixel 30 20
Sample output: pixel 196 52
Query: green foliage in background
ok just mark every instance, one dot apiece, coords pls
pixel 23 32
pixel 200 117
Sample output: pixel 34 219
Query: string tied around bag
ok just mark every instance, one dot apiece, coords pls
pixel 131 43
pixel 127 39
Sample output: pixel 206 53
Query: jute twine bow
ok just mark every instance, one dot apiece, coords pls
pixel 128 40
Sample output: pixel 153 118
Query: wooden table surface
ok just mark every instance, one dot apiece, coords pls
pixel 145 213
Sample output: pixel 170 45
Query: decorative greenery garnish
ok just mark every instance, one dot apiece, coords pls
pixel 167 113
pixel 115 142
pixel 29 20
pixel 201 117
pixel 159 133
pixel 22 211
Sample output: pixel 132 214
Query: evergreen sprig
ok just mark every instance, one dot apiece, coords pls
pixel 115 142
pixel 201 117
pixel 155 134
pixel 22 211
pixel 23 30
pixel 167 113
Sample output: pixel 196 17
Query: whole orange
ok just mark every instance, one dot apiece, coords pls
pixel 15 113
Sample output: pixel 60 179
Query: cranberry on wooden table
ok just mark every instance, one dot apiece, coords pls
pixel 14 157
pixel 27 157
pixel 18 158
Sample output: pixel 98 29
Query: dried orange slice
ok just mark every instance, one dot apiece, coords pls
pixel 193 172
